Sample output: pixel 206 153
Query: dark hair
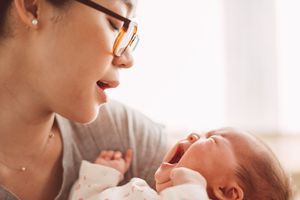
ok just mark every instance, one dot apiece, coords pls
pixel 262 177
pixel 4 7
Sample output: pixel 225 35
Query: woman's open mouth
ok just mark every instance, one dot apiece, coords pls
pixel 103 85
pixel 106 84
pixel 178 154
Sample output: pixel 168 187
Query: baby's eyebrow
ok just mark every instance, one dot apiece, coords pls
pixel 198 135
pixel 210 133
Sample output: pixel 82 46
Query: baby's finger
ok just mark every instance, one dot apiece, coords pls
pixel 101 157
pixel 109 155
pixel 102 154
pixel 117 155
pixel 128 156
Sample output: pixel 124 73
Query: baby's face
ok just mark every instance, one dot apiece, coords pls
pixel 212 154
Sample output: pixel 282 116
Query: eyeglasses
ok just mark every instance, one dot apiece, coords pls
pixel 127 36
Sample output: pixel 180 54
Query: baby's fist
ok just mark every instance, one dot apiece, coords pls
pixel 114 159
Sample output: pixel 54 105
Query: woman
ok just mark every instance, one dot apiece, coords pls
pixel 56 59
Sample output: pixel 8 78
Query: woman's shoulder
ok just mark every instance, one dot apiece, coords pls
pixel 114 117
pixel 123 115
pixel 117 125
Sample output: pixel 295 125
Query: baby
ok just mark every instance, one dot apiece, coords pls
pixel 223 164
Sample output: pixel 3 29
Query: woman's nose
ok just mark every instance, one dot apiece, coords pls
pixel 125 60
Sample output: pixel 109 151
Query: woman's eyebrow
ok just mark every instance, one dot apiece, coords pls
pixel 129 4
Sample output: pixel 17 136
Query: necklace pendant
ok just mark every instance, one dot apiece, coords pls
pixel 23 169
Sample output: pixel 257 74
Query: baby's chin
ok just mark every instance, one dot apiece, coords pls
pixel 162 176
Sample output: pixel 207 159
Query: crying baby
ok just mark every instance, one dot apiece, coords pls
pixel 224 164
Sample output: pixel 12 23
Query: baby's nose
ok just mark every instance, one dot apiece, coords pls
pixel 193 137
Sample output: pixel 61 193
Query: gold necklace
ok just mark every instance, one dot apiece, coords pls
pixel 24 168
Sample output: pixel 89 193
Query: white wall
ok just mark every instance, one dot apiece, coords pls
pixel 203 64
pixel 251 65
pixel 289 58
pixel 178 78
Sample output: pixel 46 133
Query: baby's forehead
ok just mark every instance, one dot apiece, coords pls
pixel 238 139
pixel 226 133
pixel 245 144
pixel 232 134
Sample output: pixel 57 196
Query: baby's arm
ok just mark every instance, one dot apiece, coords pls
pixel 108 171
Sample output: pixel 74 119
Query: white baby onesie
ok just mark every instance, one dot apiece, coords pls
pixel 98 182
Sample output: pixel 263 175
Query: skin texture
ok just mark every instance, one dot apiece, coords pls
pixel 46 68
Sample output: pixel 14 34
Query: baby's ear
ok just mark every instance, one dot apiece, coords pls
pixel 232 191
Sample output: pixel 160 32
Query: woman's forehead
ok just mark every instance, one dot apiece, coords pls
pixel 130 4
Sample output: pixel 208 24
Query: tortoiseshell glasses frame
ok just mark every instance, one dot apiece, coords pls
pixel 127 36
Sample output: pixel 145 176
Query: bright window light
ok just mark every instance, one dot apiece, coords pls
pixel 178 76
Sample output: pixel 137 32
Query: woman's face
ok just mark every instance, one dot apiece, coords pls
pixel 73 52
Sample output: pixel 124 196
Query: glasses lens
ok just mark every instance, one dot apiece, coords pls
pixel 125 39
pixel 134 42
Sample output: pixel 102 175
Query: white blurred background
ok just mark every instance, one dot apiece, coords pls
pixel 204 64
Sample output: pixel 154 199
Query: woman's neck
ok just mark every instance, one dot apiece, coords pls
pixel 25 120
pixel 19 137
pixel 24 124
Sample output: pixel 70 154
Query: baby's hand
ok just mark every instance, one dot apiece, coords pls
pixel 114 159
pixel 184 175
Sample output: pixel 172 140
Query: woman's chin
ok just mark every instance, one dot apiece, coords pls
pixel 85 119
pixel 84 116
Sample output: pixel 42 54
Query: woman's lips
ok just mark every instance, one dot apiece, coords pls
pixel 103 85
pixel 102 94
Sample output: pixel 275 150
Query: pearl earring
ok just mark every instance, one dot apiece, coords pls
pixel 35 22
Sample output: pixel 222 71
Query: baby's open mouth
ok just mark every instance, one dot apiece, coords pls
pixel 178 155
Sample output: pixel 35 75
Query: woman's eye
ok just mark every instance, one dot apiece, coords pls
pixel 113 26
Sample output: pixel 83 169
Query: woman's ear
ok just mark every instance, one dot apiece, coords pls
pixel 231 191
pixel 28 11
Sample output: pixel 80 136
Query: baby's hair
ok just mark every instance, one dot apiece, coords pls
pixel 262 177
